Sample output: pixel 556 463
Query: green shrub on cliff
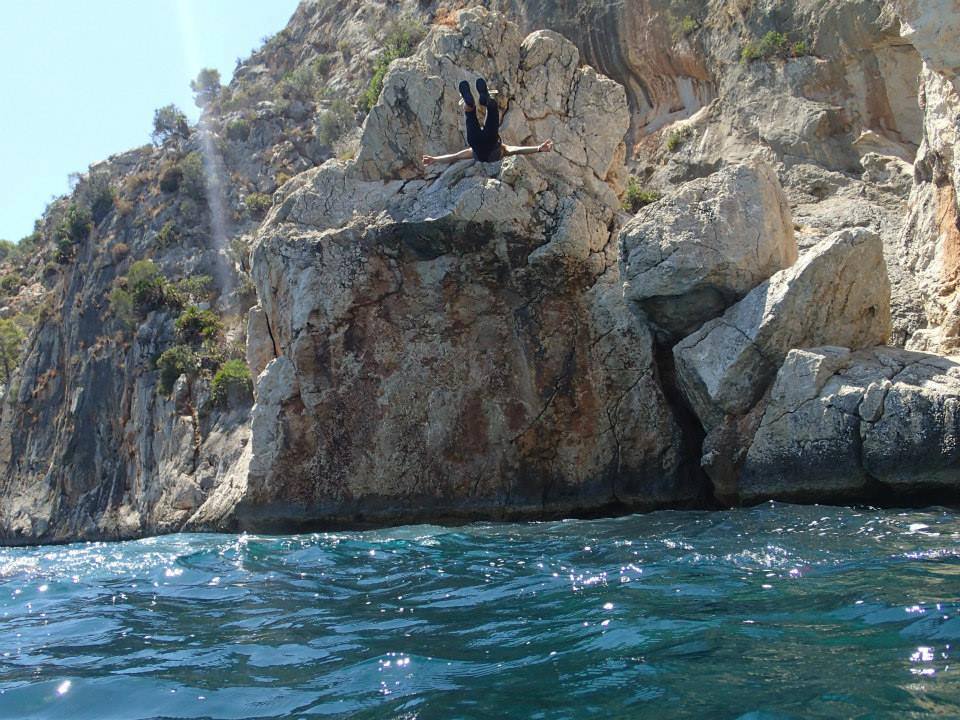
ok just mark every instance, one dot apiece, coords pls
pixel 169 122
pixel 232 379
pixel 206 87
pixel 400 39
pixel 677 138
pixel 257 204
pixel 334 122
pixel 300 83
pixel 189 290
pixel 193 182
pixel 7 249
pixel 73 228
pixel 122 307
pixel 76 224
pixel 196 326
pixel 170 177
pixel 773 44
pixel 636 196
pixel 10 284
pixel 96 193
pixel 238 130
pixel 146 286
pixel 11 339
pixel 174 362
pixel 168 235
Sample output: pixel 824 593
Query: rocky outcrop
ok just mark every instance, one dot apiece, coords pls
pixel 466 351
pixel 457 343
pixel 929 244
pixel 842 425
pixel 694 253
pixel 836 293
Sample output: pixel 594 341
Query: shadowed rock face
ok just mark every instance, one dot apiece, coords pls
pixel 466 351
pixel 842 424
pixel 836 293
pixel 694 253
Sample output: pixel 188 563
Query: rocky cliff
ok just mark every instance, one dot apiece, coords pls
pixel 504 340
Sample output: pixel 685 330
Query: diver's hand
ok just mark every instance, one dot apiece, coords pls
pixel 545 146
pixel 429 159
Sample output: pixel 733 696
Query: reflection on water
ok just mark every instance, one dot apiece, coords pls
pixel 773 612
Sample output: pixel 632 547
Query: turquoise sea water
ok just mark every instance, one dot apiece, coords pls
pixel 773 612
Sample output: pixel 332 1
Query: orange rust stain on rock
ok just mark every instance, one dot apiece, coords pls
pixel 947 224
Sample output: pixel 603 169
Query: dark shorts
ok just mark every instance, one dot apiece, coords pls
pixel 485 141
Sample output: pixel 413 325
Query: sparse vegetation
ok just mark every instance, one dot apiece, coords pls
pixel 146 286
pixel 10 284
pixel 196 326
pixel 238 130
pixel 169 122
pixel 192 177
pixel 773 44
pixel 206 87
pixel 170 177
pixel 11 339
pixel 233 378
pixel 688 25
pixel 168 236
pixel 257 204
pixel 636 196
pixel 335 122
pixel 678 137
pixel 174 362
pixel 399 40
pixel 300 83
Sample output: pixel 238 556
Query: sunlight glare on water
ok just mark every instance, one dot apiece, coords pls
pixel 773 612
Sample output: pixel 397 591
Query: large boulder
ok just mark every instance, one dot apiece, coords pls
pixel 688 257
pixel 457 345
pixel 842 425
pixel 837 294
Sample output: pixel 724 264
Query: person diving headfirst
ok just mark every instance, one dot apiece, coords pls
pixel 485 144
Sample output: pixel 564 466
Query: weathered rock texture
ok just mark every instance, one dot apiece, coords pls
pixel 458 343
pixel 837 293
pixel 694 253
pixel 466 351
pixel 842 425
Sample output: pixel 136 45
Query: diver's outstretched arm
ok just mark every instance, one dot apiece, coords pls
pixel 465 154
pixel 545 146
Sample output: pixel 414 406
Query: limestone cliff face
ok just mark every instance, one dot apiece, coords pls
pixel 504 341
pixel 457 345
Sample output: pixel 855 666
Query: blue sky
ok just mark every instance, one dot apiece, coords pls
pixel 80 79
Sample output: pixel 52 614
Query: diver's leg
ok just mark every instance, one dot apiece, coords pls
pixel 491 126
pixel 474 132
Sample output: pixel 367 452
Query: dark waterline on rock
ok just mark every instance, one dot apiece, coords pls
pixel 777 611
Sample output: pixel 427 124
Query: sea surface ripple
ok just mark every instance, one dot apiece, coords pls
pixel 778 611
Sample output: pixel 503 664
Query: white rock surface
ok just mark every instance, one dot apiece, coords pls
pixel 689 256
pixel 837 293
pixel 843 424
